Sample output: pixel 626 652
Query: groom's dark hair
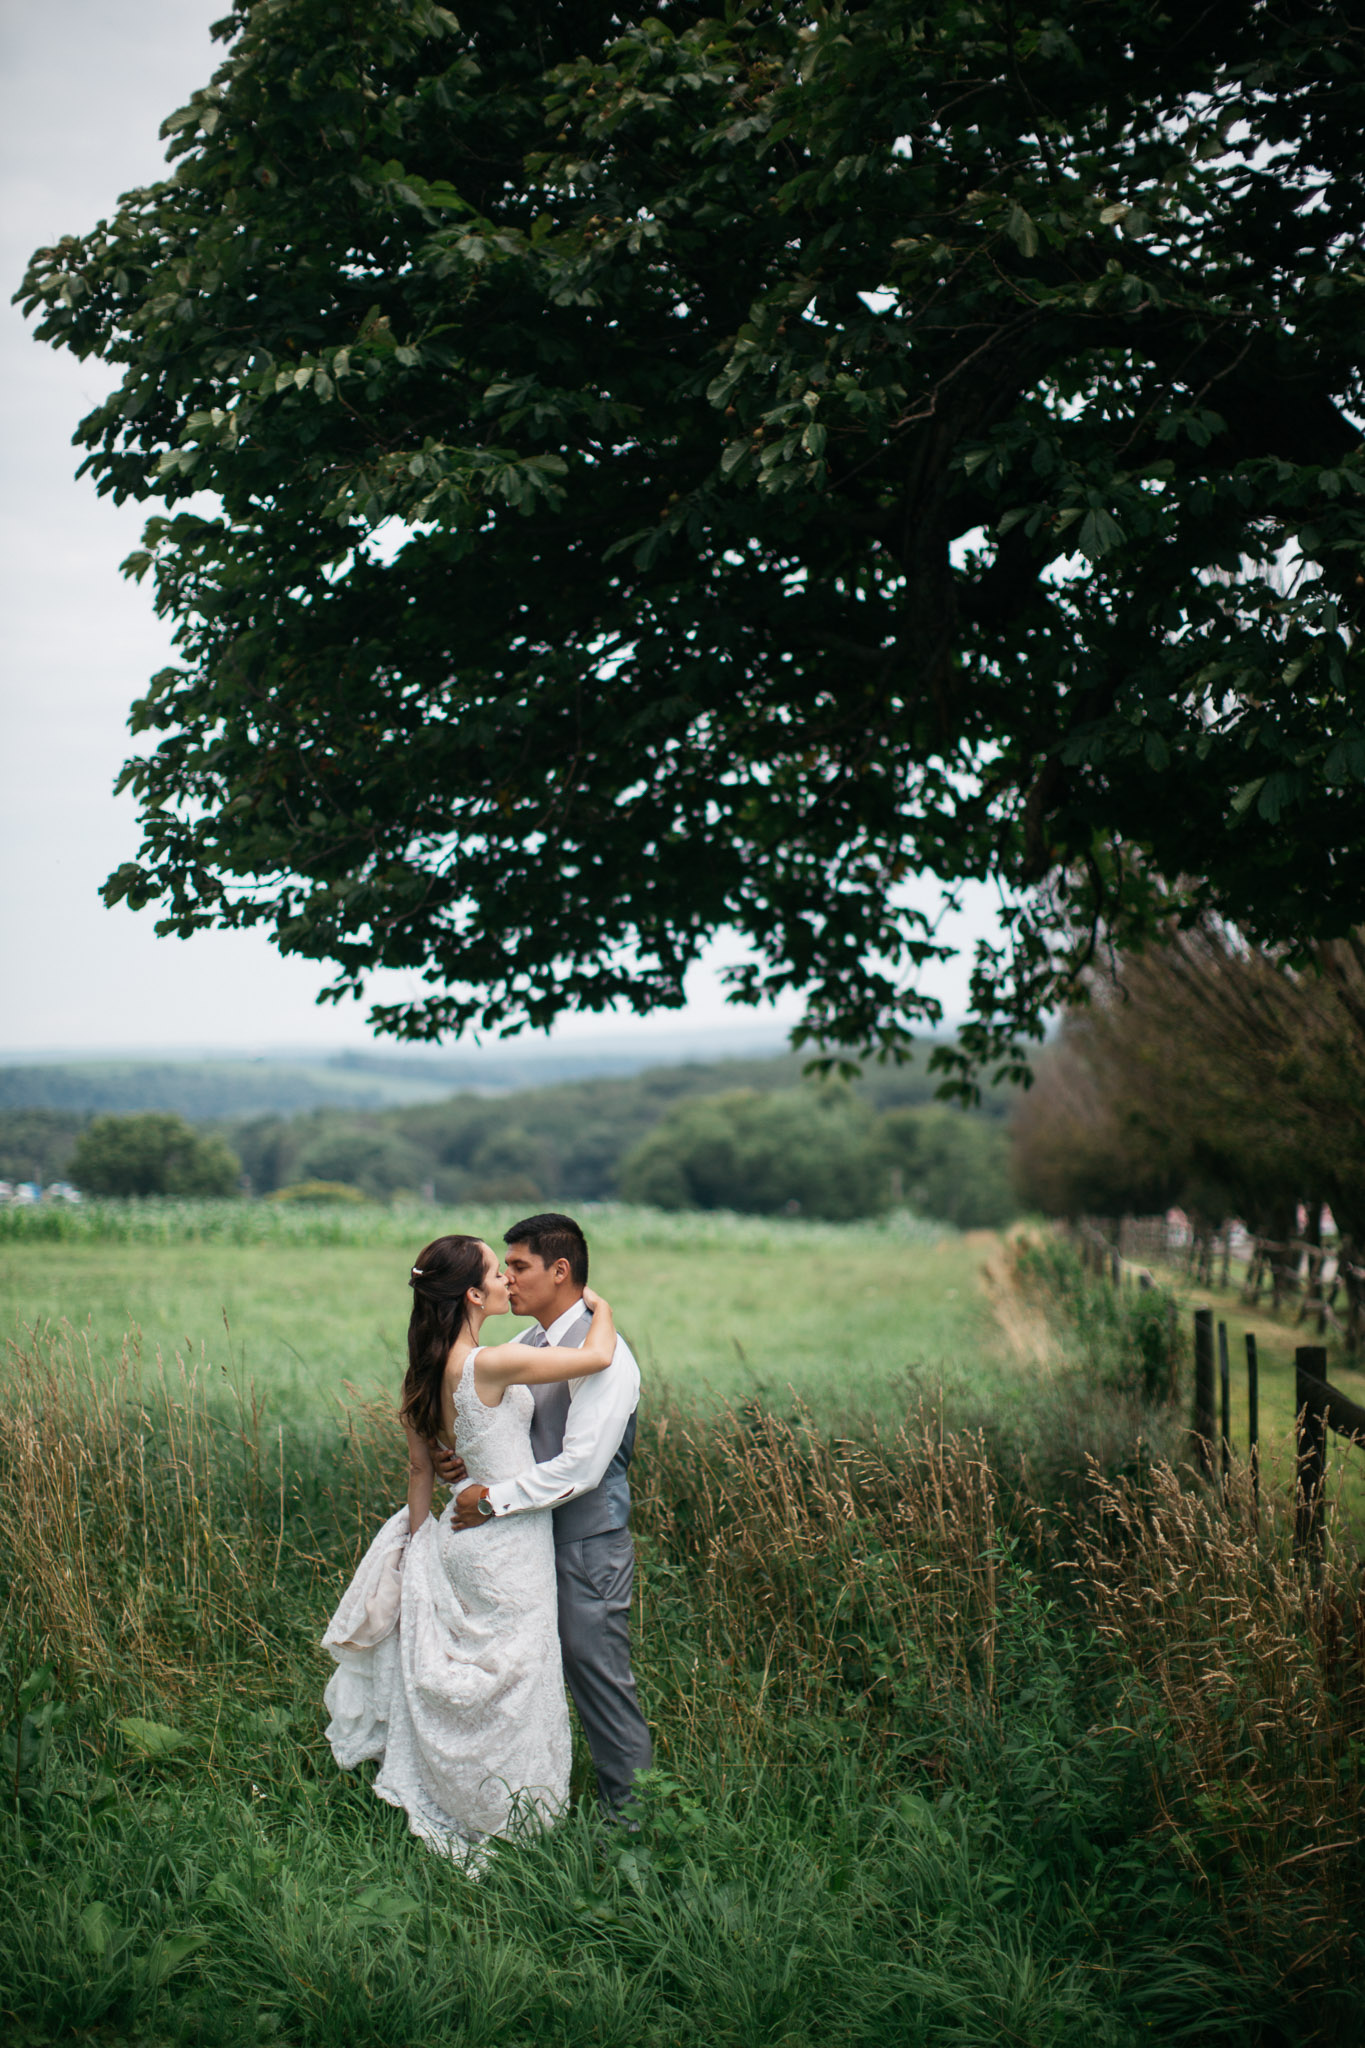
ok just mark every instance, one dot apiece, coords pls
pixel 552 1237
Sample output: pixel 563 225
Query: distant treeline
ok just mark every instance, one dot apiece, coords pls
pixel 751 1135
pixel 216 1091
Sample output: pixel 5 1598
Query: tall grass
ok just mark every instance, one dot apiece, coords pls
pixel 142 1514
pixel 864 1566
pixel 1241 1673
pixel 939 1758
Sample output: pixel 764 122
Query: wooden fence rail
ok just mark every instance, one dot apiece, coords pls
pixel 1321 1407
pixel 1326 1281
pixel 1318 1405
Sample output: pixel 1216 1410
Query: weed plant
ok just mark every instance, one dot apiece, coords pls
pixel 1125 1339
pixel 1112 1392
pixel 939 1761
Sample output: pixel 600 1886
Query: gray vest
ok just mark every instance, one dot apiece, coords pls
pixel 607 1506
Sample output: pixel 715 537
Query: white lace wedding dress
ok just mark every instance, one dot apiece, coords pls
pixel 447 1647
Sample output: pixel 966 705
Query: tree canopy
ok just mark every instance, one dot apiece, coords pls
pixel 700 471
pixel 798 1150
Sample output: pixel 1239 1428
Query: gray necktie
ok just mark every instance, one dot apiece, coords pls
pixel 537 1339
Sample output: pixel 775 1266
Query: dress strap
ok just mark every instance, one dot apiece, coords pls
pixel 465 1380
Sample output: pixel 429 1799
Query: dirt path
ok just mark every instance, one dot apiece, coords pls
pixel 1030 1338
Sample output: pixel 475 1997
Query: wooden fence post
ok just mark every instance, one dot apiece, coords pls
pixel 1203 1390
pixel 1310 1371
pixel 1225 1389
pixel 1254 1415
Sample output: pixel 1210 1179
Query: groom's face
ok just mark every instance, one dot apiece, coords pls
pixel 533 1287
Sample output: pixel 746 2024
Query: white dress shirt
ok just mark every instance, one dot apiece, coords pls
pixel 600 1406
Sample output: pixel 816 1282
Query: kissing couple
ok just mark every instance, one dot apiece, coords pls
pixel 455 1637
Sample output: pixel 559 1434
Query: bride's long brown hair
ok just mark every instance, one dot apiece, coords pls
pixel 444 1272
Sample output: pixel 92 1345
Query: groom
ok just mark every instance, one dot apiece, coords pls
pixel 582 1435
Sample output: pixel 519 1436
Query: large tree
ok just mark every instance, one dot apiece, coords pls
pixel 696 471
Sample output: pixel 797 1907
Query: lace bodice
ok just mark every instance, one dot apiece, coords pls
pixel 495 1443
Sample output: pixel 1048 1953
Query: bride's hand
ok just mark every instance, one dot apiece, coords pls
pixel 450 1466
pixel 593 1301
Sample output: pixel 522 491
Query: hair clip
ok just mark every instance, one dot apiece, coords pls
pixel 418 1270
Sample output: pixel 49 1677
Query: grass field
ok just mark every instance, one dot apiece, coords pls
pixel 852 1316
pixel 961 1741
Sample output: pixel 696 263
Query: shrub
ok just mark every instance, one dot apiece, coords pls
pixel 1126 1340
pixel 152 1154
pixel 317 1191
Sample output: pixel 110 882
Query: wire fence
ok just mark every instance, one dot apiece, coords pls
pixel 1125 1252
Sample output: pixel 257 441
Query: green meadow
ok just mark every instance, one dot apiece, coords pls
pixel 850 1316
pixel 977 1720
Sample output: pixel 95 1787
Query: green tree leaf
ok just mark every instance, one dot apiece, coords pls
pixel 1099 533
pixel 1021 230
pixel 693 628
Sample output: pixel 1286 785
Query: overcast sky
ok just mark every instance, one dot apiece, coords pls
pixel 86 84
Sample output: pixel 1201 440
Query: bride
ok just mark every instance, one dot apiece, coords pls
pixel 447 1649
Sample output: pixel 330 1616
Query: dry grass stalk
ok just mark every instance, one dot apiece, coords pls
pixel 812 1558
pixel 1243 1673
pixel 841 1566
pixel 135 1524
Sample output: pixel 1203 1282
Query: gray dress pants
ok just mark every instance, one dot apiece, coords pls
pixel 596 1575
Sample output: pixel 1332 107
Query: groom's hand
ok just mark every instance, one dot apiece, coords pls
pixel 450 1466
pixel 466 1515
